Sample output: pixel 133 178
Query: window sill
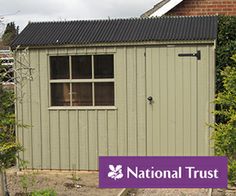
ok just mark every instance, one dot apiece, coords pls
pixel 82 108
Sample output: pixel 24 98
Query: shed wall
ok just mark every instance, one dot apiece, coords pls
pixel 74 138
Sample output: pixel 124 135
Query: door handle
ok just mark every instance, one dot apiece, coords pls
pixel 150 99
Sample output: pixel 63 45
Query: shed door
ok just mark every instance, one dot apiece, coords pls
pixel 179 87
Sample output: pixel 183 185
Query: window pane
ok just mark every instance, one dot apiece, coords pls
pixel 103 66
pixel 81 67
pixel 60 94
pixel 104 94
pixel 59 67
pixel 82 94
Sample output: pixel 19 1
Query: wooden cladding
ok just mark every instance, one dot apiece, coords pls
pixel 72 136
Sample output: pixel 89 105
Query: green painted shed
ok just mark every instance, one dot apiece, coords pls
pixel 130 87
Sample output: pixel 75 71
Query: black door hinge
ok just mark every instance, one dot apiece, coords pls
pixel 197 55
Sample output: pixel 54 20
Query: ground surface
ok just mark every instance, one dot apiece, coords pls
pixel 64 183
pixel 86 184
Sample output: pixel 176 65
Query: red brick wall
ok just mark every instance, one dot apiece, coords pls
pixel 205 7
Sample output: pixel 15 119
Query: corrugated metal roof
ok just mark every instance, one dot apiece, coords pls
pixel 118 30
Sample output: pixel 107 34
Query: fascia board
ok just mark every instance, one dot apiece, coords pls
pixel 165 8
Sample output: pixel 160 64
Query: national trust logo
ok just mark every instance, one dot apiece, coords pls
pixel 115 172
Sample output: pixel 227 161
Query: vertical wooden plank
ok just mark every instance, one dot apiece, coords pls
pixel 26 109
pixel 112 133
pixel 179 103
pixel 120 59
pixel 131 101
pixel 193 104
pixel 93 138
pixel 78 138
pixel 156 136
pixel 186 99
pixel 64 139
pixel 35 111
pixel 73 143
pixel 44 97
pixel 18 107
pixel 83 140
pixel 141 102
pixel 102 133
pixel 149 90
pixel 163 101
pixel 203 102
pixel 55 139
pixel 171 101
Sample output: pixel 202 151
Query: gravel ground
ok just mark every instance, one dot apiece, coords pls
pixel 172 192
pixel 82 184
pixel 182 192
pixel 87 185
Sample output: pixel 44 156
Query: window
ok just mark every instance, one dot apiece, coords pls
pixel 82 80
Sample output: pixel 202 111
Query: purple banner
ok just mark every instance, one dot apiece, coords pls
pixel 162 172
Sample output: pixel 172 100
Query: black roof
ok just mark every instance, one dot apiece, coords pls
pixel 118 30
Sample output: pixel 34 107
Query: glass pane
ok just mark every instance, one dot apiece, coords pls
pixel 59 67
pixel 60 94
pixel 103 66
pixel 82 94
pixel 81 67
pixel 104 94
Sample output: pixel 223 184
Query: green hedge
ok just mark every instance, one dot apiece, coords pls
pixel 226 46
pixel 224 134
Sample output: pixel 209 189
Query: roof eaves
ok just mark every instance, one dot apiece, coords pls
pixel 115 44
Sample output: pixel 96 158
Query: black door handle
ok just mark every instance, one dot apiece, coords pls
pixel 150 99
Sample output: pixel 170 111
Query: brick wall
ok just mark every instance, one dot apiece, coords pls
pixel 205 7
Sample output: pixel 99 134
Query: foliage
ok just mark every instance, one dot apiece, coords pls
pixel 225 132
pixel 232 171
pixel 26 181
pixel 8 146
pixel 45 192
pixel 226 46
pixel 74 176
pixel 10 33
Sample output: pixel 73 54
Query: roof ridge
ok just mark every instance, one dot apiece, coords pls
pixel 119 19
pixel 83 20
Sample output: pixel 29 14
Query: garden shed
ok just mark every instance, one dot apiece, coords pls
pixel 130 87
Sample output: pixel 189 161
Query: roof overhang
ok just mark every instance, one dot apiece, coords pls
pixel 122 44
